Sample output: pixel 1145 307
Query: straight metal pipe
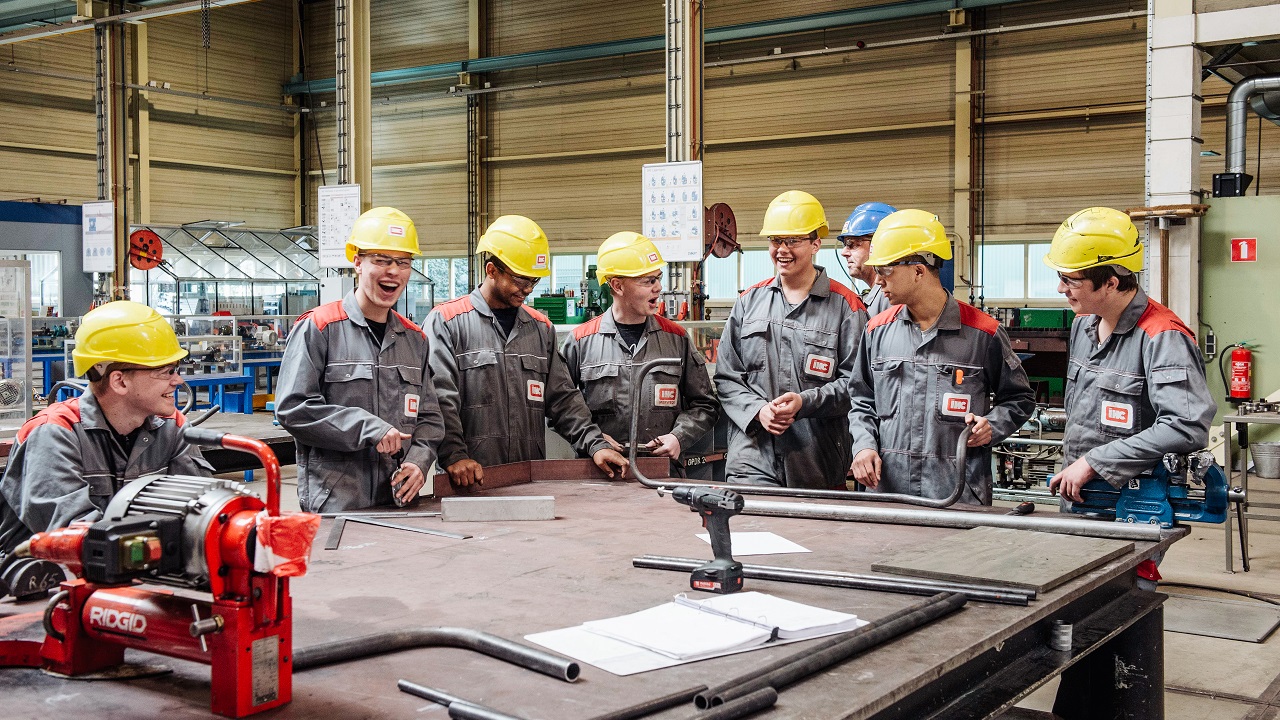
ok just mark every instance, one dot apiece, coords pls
pixel 526 657
pixel 743 706
pixel 813 663
pixel 905 586
pixel 458 708
pixel 703 699
pixel 954 519
pixel 649 707
pixel 937 585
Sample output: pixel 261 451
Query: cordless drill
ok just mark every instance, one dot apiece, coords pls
pixel 716 505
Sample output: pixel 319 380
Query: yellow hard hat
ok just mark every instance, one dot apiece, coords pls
pixel 906 233
pixel 1094 237
pixel 627 254
pixel 519 243
pixel 793 213
pixel 124 332
pixel 383 228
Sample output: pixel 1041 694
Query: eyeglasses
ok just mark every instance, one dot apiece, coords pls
pixel 790 242
pixel 852 241
pixel 527 284
pixel 887 270
pixel 163 372
pixel 648 281
pixel 1070 282
pixel 386 261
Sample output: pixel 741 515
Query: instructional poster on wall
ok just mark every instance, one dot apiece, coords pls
pixel 98 236
pixel 672 208
pixel 339 207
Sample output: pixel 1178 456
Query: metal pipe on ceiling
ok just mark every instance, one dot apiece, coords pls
pixel 746 31
pixel 458 91
pixel 149 13
pixel 1238 116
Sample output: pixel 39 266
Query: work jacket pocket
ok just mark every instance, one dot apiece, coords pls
pixel 536 370
pixel 819 364
pixel 478 383
pixel 887 377
pixel 957 399
pixel 600 385
pixel 753 346
pixel 411 376
pixel 348 372
pixel 1120 401
pixel 661 396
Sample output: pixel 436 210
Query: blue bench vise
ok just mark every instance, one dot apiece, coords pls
pixel 1165 495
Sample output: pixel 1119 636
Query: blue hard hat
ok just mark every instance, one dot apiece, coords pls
pixel 865 219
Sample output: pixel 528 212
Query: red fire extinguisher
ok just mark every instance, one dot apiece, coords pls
pixel 1241 387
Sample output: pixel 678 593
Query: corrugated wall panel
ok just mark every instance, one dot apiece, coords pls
pixel 411 34
pixel 520 26
pixel 591 116
pixel 578 202
pixel 840 173
pixel 186 195
pixel 250 57
pixel 1074 66
pixel 50 177
pixel 750 11
pixel 49 112
pixel 1040 173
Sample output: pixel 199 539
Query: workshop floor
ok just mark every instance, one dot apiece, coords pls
pixel 1210 678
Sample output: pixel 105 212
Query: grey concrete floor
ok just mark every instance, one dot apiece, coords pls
pixel 1210 678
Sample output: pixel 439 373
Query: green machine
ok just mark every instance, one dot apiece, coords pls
pixel 597 297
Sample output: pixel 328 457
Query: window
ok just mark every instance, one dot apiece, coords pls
pixel 1016 271
pixel 46 280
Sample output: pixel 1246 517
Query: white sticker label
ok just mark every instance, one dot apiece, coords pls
pixel 653 258
pixel 411 406
pixel 534 390
pixel 1117 415
pixel 540 261
pixel 823 367
pixel 395 230
pixel 666 395
pixel 955 404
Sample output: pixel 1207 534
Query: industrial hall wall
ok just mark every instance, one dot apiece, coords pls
pixel 1060 121
pixel 190 159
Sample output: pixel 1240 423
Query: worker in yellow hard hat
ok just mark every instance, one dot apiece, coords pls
pixel 927 367
pixel 1136 386
pixel 786 358
pixel 74 455
pixel 498 376
pixel 355 390
pixel 677 403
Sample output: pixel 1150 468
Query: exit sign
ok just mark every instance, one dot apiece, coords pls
pixel 1244 249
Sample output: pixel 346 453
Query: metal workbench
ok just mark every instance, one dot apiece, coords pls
pixel 517 578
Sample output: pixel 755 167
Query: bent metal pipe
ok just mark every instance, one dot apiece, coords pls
pixel 638 375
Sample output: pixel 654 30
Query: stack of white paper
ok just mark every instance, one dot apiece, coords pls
pixel 687 630
pixel 792 620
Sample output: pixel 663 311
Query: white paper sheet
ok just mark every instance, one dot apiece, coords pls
pixel 760 543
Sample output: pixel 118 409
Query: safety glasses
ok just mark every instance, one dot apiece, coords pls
pixel 527 284
pixel 887 270
pixel 1070 282
pixel 790 242
pixel 386 261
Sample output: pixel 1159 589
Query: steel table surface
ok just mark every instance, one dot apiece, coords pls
pixel 516 578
